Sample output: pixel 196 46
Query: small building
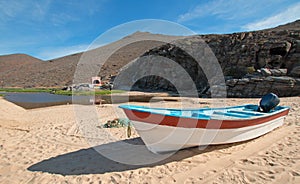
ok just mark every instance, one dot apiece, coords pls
pixel 96 82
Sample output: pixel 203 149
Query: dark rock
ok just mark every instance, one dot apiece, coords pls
pixel 257 87
pixel 295 71
pixel 287 80
pixel 254 63
pixel 275 61
pixel 297 46
pixel 231 82
pixel 243 81
pixel 281 48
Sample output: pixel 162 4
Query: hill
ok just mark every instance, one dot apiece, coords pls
pixel 20 70
pixel 13 61
pixel 276 48
pixel 289 26
pixel 252 63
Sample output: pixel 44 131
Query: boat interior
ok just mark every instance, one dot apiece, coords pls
pixel 235 112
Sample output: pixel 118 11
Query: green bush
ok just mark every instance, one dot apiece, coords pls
pixel 25 90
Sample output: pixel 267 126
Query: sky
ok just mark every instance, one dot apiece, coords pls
pixel 48 29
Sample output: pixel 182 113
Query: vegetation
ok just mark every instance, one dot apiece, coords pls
pixel 117 123
pixel 25 90
pixel 58 91
pixel 96 92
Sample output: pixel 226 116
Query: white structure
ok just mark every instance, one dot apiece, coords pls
pixel 96 81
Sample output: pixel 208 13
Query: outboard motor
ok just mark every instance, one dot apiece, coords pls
pixel 268 102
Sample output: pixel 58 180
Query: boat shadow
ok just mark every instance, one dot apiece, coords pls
pixel 114 157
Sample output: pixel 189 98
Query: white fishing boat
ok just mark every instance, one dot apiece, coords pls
pixel 173 129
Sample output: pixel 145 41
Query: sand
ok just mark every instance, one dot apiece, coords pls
pixel 45 146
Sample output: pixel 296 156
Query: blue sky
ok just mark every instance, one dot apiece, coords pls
pixel 49 29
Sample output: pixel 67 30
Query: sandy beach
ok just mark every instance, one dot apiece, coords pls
pixel 44 146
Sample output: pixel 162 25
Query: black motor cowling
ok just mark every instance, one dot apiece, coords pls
pixel 268 102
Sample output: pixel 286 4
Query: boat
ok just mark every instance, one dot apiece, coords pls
pixel 165 130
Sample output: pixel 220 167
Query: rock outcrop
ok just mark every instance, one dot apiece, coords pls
pixel 259 86
pixel 253 63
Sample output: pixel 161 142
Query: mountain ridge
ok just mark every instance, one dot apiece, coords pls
pixel 20 70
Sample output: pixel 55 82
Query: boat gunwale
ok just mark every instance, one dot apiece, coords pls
pixel 209 117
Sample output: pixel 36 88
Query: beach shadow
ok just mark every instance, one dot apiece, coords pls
pixel 90 161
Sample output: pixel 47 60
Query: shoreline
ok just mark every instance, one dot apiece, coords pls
pixel 44 145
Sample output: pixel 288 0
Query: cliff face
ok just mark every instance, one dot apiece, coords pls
pixel 253 63
pixel 262 49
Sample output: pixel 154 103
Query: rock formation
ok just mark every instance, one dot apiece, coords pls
pixel 253 63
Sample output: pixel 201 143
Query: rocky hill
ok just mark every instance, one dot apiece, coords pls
pixel 253 63
pixel 20 70
pixel 27 73
pixel 10 62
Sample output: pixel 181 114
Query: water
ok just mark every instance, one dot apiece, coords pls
pixel 37 100
pixel 36 97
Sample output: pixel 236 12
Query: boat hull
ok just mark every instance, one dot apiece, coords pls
pixel 161 138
